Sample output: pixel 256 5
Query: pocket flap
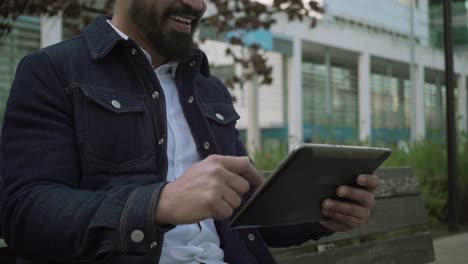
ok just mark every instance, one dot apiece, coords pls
pixel 113 101
pixel 221 113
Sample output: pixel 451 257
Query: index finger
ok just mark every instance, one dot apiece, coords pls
pixel 243 167
pixel 370 181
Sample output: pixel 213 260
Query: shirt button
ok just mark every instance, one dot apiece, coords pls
pixel 161 141
pixel 134 52
pixel 116 104
pixel 206 145
pixel 155 95
pixel 220 116
pixel 137 236
pixel 154 245
pixel 251 237
pixel 191 99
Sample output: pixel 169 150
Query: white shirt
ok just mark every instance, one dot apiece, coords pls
pixel 187 244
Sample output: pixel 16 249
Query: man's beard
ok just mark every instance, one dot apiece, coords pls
pixel 170 44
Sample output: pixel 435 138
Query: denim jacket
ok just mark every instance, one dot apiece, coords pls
pixel 83 154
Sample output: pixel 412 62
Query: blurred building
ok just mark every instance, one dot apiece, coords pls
pixel 348 79
pixel 345 81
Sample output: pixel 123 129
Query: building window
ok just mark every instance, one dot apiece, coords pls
pixel 330 115
pixel 435 110
pixel 226 73
pixel 391 108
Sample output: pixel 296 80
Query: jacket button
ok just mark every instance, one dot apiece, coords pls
pixel 155 95
pixel 134 52
pixel 161 141
pixel 192 63
pixel 206 145
pixel 154 245
pixel 116 104
pixel 137 236
pixel 191 99
pixel 251 237
pixel 220 116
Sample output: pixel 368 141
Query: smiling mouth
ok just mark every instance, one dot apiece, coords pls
pixel 183 22
pixel 182 19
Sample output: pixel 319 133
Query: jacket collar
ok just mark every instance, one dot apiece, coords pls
pixel 201 62
pixel 101 38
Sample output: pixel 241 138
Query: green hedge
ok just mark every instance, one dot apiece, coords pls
pixel 429 159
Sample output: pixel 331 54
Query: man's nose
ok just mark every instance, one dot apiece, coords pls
pixel 197 5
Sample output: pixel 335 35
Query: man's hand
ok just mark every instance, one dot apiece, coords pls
pixel 345 216
pixel 212 188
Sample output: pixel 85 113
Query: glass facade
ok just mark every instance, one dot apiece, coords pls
pixel 330 103
pixel 435 111
pixel 391 108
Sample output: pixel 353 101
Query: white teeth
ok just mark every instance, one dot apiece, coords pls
pixel 182 19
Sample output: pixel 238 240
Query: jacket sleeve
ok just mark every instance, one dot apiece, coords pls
pixel 44 214
pixel 286 236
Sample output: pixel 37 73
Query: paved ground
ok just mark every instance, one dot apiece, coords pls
pixel 451 249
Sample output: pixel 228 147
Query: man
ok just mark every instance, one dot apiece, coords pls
pixel 120 147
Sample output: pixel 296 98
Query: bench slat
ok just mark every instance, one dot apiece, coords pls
pixel 402 250
pixel 397 182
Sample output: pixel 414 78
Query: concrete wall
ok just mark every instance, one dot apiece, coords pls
pixel 390 15
pixel 357 39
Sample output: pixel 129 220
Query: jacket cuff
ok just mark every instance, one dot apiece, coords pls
pixel 139 233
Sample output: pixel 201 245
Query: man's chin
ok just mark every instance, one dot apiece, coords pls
pixel 175 50
pixel 172 44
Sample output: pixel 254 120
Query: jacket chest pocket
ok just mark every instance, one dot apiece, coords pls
pixel 113 128
pixel 222 121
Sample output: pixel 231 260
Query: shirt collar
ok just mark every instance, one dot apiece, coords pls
pixel 123 35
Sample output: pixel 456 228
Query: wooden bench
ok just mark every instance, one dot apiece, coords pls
pixel 398 231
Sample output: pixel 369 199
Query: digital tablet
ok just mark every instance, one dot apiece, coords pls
pixel 294 192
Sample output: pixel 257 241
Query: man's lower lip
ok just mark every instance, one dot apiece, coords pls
pixel 181 26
